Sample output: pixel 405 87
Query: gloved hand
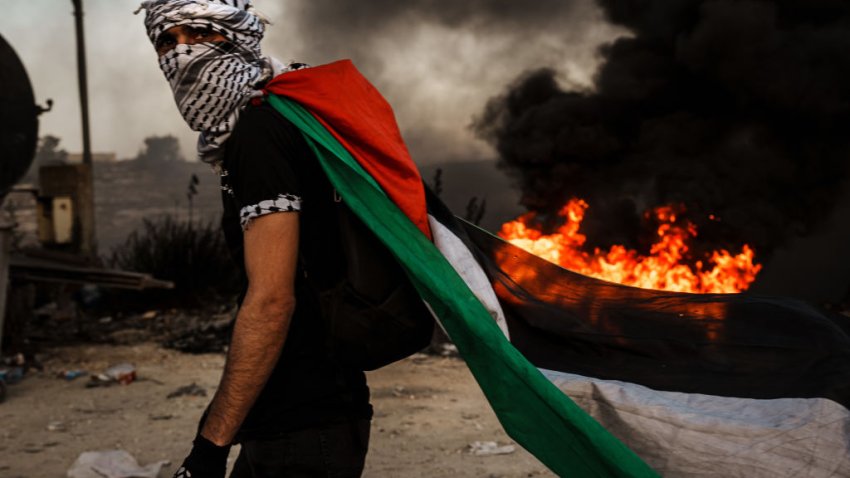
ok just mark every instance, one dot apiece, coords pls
pixel 206 460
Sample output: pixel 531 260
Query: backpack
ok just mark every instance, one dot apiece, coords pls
pixel 372 314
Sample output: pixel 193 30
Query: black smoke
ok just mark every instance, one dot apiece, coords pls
pixel 734 108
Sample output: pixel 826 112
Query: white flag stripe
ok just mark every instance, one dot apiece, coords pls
pixel 461 259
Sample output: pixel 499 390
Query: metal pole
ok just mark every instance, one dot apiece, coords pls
pixel 83 79
pixel 88 241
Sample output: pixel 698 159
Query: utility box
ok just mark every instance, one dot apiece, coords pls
pixel 56 220
pixel 65 212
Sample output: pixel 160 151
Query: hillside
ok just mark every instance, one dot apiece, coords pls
pixel 126 192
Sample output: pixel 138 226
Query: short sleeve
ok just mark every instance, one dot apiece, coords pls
pixel 261 160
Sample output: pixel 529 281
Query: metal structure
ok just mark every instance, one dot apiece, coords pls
pixel 32 267
pixel 18 119
pixel 18 139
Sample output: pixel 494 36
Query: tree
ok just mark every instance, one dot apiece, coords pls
pixel 160 148
pixel 48 152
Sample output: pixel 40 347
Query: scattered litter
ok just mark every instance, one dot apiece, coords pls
pixel 99 380
pixel 105 320
pixel 112 464
pixel 124 374
pixel 204 336
pixel 15 360
pixel 167 416
pixel 193 390
pixel 490 448
pixel 56 427
pixel 11 375
pixel 150 315
pixel 72 374
pixel 96 411
pixel 449 350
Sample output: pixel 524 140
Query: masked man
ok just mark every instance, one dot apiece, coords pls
pixel 295 410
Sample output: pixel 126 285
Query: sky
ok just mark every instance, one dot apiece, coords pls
pixel 436 62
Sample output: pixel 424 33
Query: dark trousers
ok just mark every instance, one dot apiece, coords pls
pixel 331 451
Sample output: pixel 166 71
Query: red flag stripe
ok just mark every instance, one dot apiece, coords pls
pixel 359 117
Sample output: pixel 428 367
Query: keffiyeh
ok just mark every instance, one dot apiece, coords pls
pixel 212 81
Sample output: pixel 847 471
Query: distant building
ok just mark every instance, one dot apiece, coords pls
pixel 96 157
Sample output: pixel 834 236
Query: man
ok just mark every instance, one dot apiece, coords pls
pixel 295 410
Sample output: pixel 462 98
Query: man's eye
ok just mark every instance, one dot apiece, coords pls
pixel 201 34
pixel 164 42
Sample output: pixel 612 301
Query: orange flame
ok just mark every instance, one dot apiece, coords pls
pixel 663 269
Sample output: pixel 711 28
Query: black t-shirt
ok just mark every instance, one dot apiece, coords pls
pixel 271 170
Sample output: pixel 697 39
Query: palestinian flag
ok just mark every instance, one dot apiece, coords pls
pixel 593 378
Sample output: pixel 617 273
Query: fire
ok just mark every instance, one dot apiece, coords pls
pixel 664 268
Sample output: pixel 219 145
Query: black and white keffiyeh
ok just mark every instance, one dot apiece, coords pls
pixel 212 82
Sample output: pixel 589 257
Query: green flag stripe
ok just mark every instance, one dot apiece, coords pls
pixel 532 410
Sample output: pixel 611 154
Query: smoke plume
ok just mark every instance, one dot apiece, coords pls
pixel 734 108
pixel 438 61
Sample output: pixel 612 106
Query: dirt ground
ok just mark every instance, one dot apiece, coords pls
pixel 428 410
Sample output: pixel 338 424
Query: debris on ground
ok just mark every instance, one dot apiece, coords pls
pixel 12 375
pixel 70 375
pixel 17 360
pixel 112 464
pixel 203 337
pixel 124 374
pixel 192 390
pixel 14 368
pixel 489 448
pixel 164 416
pixel 205 330
pixel 150 315
pixel 56 427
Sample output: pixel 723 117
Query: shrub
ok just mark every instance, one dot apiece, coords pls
pixel 193 256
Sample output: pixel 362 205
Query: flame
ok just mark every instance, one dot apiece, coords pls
pixel 665 268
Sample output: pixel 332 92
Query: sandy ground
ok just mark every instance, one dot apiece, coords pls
pixel 427 412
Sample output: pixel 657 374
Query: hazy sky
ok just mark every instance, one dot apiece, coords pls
pixel 436 61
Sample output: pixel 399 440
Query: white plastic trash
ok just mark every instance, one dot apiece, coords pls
pixel 112 464
pixel 489 448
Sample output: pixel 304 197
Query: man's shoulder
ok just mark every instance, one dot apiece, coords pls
pixel 262 117
pixel 262 127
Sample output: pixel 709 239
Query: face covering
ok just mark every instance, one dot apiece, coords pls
pixel 212 82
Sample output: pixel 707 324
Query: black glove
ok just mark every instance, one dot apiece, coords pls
pixel 206 460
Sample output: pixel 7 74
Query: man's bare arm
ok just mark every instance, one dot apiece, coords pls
pixel 271 255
